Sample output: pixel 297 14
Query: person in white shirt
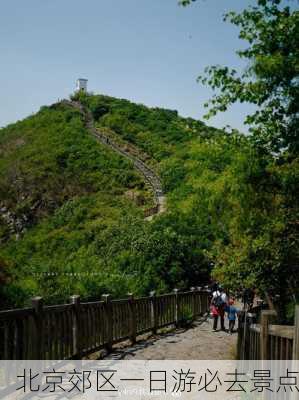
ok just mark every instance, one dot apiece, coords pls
pixel 219 301
pixel 224 297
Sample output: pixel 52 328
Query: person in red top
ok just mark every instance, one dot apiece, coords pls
pixel 214 311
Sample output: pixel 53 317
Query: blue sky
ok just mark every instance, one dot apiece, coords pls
pixel 149 51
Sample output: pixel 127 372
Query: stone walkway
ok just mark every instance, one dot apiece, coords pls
pixel 196 343
pixel 148 173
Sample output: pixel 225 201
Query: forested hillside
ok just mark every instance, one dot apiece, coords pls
pixel 76 229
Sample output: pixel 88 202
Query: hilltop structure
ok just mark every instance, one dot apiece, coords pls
pixel 81 85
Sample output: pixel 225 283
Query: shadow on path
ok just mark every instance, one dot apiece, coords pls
pixel 195 343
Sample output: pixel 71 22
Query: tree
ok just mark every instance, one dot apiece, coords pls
pixel 262 245
pixel 271 79
pixel 5 279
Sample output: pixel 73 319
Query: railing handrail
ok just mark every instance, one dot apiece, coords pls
pixel 284 331
pixel 73 329
pixel 267 340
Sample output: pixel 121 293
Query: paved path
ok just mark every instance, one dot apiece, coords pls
pixel 197 343
pixel 148 173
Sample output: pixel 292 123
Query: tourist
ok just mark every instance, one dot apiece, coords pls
pixel 215 315
pixel 232 312
pixel 217 307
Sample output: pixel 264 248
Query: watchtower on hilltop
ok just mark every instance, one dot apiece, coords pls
pixel 81 85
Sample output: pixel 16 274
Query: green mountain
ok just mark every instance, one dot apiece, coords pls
pixel 72 209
